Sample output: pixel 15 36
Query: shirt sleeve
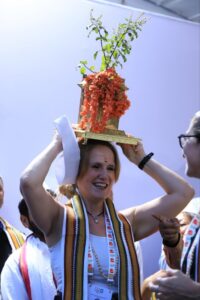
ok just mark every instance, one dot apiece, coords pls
pixel 12 284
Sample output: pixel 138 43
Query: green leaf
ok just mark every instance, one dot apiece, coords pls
pixel 95 55
pixel 115 54
pixel 114 47
pixel 83 70
pixel 83 62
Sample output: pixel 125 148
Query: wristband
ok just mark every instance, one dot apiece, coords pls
pixel 145 160
pixel 168 244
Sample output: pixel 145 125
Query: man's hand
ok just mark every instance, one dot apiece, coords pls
pixel 175 286
pixel 169 230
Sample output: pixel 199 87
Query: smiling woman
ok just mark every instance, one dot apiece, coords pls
pixel 100 239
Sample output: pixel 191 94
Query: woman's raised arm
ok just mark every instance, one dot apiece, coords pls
pixel 177 194
pixel 47 213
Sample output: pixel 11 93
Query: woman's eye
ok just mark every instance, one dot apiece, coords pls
pixel 96 166
pixel 111 168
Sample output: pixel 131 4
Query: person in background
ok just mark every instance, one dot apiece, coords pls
pixel 185 283
pixel 27 273
pixel 89 229
pixel 10 238
pixel 169 257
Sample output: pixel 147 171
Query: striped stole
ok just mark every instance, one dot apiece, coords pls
pixel 15 237
pixel 190 260
pixel 198 262
pixel 76 252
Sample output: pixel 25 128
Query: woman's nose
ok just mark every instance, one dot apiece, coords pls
pixel 103 172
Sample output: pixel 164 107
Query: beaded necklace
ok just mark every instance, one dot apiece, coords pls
pixel 113 258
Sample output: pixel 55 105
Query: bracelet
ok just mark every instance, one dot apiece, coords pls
pixel 168 244
pixel 145 160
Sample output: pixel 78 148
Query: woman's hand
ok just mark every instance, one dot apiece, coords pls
pixel 135 153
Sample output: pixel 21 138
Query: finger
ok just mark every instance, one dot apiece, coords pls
pixel 154 287
pixel 158 217
pixel 168 227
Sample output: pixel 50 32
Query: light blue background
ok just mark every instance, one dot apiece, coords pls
pixel 43 41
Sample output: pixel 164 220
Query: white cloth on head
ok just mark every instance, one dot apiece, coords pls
pixel 39 270
pixel 67 163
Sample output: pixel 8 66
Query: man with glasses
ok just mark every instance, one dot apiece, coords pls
pixel 183 138
pixel 184 284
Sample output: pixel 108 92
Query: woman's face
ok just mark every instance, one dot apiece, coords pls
pixel 184 219
pixel 191 152
pixel 1 192
pixel 98 180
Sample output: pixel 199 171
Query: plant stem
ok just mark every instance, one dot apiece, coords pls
pixel 101 38
pixel 118 43
pixel 88 68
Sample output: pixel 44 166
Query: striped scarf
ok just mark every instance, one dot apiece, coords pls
pixel 76 253
pixel 190 261
pixel 15 238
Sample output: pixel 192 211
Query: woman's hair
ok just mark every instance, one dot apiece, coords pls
pixel 85 150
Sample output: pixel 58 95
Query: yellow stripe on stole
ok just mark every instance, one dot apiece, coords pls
pixel 80 246
pixel 69 253
pixel 16 237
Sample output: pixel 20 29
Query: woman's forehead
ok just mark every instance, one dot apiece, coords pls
pixel 102 153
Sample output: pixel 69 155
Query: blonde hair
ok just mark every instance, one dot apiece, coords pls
pixel 69 190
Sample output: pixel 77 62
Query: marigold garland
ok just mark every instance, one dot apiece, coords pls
pixel 104 98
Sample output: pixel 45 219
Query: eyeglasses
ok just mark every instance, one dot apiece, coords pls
pixel 183 137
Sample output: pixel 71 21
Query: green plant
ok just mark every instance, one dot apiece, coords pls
pixel 114 48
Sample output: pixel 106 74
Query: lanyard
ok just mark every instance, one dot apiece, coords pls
pixel 111 253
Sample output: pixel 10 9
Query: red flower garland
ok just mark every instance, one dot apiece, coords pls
pixel 104 98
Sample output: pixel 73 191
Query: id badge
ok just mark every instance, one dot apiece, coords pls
pixel 98 292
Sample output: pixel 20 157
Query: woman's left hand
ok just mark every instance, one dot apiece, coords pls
pixel 135 153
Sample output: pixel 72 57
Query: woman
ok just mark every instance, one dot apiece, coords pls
pixel 176 285
pixel 94 243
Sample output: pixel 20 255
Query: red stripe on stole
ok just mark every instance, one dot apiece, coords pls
pixel 24 270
